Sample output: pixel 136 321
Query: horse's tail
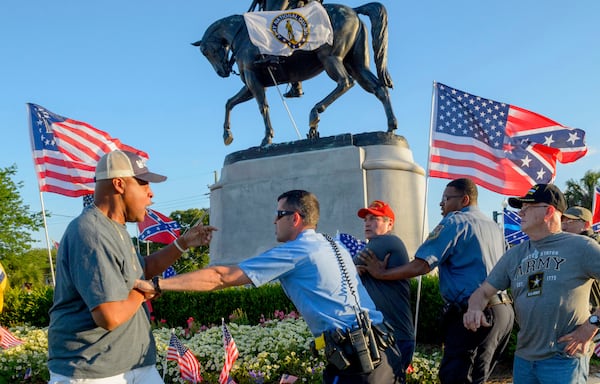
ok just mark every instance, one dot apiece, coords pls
pixel 379 34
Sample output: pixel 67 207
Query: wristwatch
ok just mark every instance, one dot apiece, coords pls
pixel 155 282
pixel 594 320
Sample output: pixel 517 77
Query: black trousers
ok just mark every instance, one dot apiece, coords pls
pixel 388 371
pixel 469 357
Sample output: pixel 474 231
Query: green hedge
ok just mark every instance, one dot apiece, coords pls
pixel 22 307
pixel 209 307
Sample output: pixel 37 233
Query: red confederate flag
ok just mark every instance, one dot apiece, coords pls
pixel 158 228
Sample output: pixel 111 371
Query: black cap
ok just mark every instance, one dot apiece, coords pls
pixel 541 193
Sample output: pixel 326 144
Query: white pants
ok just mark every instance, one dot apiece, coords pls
pixel 145 375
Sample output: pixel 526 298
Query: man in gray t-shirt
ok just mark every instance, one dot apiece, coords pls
pixel 550 276
pixel 99 327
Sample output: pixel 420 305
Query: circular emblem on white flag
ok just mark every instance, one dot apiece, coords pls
pixel 291 28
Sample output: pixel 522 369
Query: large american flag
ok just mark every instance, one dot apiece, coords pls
pixel 66 151
pixel 503 148
pixel 158 228
pixel 188 364
pixel 231 354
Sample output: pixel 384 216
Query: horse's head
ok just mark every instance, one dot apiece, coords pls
pixel 216 43
pixel 217 53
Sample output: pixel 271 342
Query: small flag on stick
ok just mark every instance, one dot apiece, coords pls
pixel 7 339
pixel 231 354
pixel 188 364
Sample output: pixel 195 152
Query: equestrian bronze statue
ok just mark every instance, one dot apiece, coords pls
pixel 227 42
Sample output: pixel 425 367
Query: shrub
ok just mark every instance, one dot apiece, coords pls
pixel 27 307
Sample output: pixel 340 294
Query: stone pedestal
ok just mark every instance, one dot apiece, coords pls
pixel 345 172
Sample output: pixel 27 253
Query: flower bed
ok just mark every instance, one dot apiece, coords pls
pixel 266 352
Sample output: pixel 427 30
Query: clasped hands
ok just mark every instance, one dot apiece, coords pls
pixel 146 288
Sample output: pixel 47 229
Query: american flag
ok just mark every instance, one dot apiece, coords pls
pixel 188 364
pixel 66 151
pixel 158 228
pixel 596 210
pixel 169 272
pixel 503 148
pixel 597 349
pixel 231 354
pixel 7 339
pixel 351 243
pixel 512 228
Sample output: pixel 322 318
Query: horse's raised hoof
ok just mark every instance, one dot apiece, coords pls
pixel 227 138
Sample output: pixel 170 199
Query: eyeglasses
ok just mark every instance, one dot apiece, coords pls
pixel 524 209
pixel 446 198
pixel 280 214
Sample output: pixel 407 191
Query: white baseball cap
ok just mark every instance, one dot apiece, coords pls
pixel 125 164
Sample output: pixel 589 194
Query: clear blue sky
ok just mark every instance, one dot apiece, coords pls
pixel 127 67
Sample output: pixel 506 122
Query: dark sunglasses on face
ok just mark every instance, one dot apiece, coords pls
pixel 280 214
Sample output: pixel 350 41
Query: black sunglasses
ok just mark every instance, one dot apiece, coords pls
pixel 280 214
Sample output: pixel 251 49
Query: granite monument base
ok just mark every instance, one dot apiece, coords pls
pixel 345 172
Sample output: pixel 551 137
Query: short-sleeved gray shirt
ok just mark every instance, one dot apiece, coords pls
pixel 550 281
pixel 96 263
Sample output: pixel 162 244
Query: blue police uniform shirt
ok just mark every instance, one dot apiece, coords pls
pixel 465 246
pixel 311 277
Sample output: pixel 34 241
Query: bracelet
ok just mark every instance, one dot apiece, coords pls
pixel 155 281
pixel 179 246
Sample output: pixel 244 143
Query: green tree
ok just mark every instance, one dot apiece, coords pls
pixel 29 267
pixel 16 221
pixel 196 257
pixel 582 192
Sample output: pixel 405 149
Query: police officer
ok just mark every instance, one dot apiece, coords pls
pixel 320 279
pixel 464 246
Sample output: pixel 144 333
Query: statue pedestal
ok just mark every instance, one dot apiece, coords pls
pixel 345 172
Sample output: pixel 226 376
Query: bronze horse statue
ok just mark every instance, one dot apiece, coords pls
pixel 226 42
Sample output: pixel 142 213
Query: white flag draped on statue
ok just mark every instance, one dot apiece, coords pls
pixel 280 33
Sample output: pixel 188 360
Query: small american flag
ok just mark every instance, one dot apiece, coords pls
pixel 502 147
pixel 169 272
pixel 287 379
pixel 351 243
pixel 7 339
pixel 66 151
pixel 188 364
pixel 597 350
pixel 231 354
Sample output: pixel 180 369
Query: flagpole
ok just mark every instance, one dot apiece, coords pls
pixel 167 355
pixel 47 240
pixel 424 229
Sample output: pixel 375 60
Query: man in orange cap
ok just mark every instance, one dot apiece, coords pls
pixel 391 297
